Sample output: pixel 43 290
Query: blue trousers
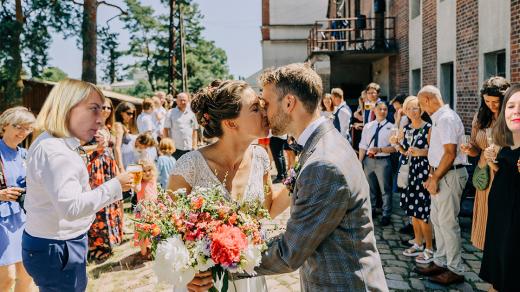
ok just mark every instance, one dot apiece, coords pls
pixel 56 265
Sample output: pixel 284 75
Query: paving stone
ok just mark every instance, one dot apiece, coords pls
pixel 394 277
pixel 399 285
pixel 384 251
pixel 474 264
pixel 396 270
pixel 397 263
pixel 472 277
pixel 387 256
pixel 417 284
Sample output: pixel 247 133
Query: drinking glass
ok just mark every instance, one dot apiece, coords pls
pixel 394 132
pixel 409 137
pixel 490 142
pixel 137 172
pixel 465 143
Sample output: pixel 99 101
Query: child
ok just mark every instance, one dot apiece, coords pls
pixel 148 191
pixel 145 147
pixel 165 162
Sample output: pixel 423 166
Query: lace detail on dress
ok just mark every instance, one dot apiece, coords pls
pixel 195 170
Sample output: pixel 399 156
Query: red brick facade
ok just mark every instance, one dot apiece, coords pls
pixel 429 42
pixel 265 20
pixel 467 69
pixel 399 64
pixel 515 41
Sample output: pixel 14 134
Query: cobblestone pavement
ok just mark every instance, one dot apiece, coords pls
pixel 399 270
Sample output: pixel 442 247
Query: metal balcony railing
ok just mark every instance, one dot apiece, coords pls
pixel 354 34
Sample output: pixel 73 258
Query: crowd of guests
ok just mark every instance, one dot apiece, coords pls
pixel 415 146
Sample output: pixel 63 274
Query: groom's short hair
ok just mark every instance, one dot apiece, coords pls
pixel 298 79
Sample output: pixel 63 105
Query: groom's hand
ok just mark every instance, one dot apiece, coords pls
pixel 202 282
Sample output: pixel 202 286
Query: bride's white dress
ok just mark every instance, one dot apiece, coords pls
pixel 195 170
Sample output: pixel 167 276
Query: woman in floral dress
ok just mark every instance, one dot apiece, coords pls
pixel 107 229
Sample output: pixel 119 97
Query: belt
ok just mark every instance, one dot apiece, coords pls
pixel 379 157
pixel 453 167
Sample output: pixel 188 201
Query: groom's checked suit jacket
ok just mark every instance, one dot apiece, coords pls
pixel 330 235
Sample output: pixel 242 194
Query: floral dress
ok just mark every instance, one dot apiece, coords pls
pixel 415 199
pixel 107 229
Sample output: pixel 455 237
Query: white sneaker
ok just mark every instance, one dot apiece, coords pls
pixel 425 258
pixel 413 251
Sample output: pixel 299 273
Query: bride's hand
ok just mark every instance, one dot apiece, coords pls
pixel 202 282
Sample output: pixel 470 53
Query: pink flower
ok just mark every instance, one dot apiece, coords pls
pixel 227 243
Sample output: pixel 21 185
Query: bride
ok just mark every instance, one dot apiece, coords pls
pixel 232 112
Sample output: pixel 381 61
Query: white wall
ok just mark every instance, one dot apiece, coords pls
pixel 290 32
pixel 415 45
pixel 447 41
pixel 381 75
pixel 297 11
pixel 281 53
pixel 494 17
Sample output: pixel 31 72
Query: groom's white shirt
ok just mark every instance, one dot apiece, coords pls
pixel 306 134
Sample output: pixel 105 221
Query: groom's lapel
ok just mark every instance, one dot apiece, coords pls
pixel 310 145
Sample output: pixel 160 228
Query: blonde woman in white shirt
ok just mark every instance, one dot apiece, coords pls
pixel 60 204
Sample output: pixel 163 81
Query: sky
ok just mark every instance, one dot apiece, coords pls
pixel 234 25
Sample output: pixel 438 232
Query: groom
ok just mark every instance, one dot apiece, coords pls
pixel 330 235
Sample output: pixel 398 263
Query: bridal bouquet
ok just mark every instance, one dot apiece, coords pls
pixel 201 231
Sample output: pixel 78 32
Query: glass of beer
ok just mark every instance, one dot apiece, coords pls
pixel 137 171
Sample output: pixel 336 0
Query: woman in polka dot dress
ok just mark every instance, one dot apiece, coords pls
pixel 415 199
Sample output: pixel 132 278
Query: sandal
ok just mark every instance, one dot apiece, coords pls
pixel 425 258
pixel 413 251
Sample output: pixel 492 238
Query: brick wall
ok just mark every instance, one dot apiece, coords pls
pixel 515 41
pixel 265 20
pixel 429 43
pixel 467 60
pixel 399 66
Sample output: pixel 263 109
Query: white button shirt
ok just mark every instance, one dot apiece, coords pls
pixel 145 123
pixel 181 125
pixel 159 123
pixel 384 136
pixel 447 128
pixel 59 202
pixel 344 116
pixel 306 134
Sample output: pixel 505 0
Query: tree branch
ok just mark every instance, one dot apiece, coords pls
pixel 76 2
pixel 123 12
pixel 114 17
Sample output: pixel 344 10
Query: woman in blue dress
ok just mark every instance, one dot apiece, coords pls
pixel 15 125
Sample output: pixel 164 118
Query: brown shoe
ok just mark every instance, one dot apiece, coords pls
pixel 447 278
pixel 430 270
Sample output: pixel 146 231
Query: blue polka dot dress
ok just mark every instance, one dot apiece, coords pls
pixel 415 199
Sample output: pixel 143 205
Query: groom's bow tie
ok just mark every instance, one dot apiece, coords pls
pixel 296 147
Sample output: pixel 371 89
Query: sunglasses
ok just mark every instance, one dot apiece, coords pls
pixel 106 108
pixel 130 113
pixel 20 128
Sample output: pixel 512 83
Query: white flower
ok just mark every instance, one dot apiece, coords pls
pixel 252 257
pixel 171 264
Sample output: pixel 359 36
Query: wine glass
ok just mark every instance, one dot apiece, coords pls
pixel 394 132
pixel 409 137
pixel 490 142
pixel 465 144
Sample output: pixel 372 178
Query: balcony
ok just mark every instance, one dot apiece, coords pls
pixel 354 35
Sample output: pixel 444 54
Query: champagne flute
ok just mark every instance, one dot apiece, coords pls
pixel 409 138
pixel 490 142
pixel 465 144
pixel 394 132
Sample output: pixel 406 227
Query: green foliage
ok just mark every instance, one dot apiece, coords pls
pixel 142 89
pixel 111 55
pixel 149 43
pixel 53 74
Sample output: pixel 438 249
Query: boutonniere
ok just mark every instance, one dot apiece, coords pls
pixel 290 178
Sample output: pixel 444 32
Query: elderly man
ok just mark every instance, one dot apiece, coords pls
pixel 181 125
pixel 446 182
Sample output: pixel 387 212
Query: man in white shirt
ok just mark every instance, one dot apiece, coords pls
pixel 181 125
pixel 342 114
pixel 145 119
pixel 446 182
pixel 374 153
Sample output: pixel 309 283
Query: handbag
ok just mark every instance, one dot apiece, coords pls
pixel 480 178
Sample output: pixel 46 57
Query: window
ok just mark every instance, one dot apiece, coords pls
pixel 415 8
pixel 447 77
pixel 495 64
pixel 416 81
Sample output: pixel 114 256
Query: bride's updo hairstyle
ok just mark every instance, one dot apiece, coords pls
pixel 221 100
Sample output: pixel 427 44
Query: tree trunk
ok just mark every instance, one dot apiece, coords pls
pixel 14 86
pixel 171 49
pixel 89 38
pixel 148 67
pixel 112 66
